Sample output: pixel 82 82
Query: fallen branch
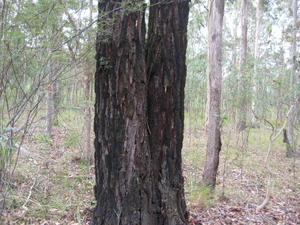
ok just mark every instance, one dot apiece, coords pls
pixel 29 194
pixel 268 196
pixel 265 202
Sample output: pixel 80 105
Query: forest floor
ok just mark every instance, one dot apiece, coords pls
pixel 52 185
pixel 246 178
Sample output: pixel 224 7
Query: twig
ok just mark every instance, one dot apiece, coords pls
pixel 29 194
pixel 272 138
pixel 266 200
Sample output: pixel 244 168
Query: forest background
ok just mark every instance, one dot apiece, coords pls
pixel 47 50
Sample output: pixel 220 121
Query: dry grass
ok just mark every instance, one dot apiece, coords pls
pixel 243 180
pixel 53 185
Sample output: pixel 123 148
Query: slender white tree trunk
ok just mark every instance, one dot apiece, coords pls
pixel 243 86
pixel 235 57
pixel 290 135
pixel 257 79
pixel 215 25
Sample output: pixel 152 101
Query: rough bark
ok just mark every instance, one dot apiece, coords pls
pixel 122 165
pixel 139 178
pixel 215 24
pixel 290 134
pixel 166 70
pixel 122 155
pixel 244 104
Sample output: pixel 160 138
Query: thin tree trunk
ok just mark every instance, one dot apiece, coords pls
pixel 290 135
pixel 215 25
pixel 279 102
pixel 243 86
pixel 50 106
pixel 56 101
pixel 258 85
pixel 3 9
pixel 166 70
pixel 88 153
pixel 122 154
pixel 235 61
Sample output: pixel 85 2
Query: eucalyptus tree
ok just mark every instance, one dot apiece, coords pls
pixel 257 83
pixel 215 25
pixel 139 114
pixel 243 81
pixel 122 157
pixel 166 73
pixel 231 48
pixel 290 134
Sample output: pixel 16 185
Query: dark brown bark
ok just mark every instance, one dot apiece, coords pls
pixel 122 156
pixel 138 182
pixel 166 70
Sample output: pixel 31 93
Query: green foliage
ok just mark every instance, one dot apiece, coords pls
pixel 72 139
pixel 199 195
pixel 6 148
pixel 44 139
pixel 225 120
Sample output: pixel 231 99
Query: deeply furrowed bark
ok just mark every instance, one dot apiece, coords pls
pixel 122 156
pixel 166 71
pixel 139 178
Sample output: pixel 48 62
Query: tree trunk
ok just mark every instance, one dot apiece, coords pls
pixel 166 70
pixel 88 153
pixel 56 101
pixel 215 24
pixel 235 110
pixel 244 101
pixel 258 84
pixel 122 154
pixel 290 134
pixel 50 106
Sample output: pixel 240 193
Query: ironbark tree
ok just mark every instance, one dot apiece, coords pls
pixel 139 115
pixel 122 154
pixel 166 71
